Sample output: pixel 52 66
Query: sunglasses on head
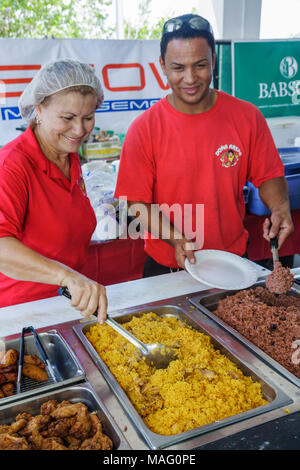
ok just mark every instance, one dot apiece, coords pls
pixel 197 22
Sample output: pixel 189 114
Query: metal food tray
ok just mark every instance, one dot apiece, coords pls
pixel 66 367
pixel 84 393
pixel 228 346
pixel 207 301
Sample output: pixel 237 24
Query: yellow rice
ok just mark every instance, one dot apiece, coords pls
pixel 200 387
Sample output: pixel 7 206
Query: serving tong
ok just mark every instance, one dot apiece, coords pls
pixel 155 354
pixel 30 329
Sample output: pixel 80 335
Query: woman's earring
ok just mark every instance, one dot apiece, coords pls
pixel 38 120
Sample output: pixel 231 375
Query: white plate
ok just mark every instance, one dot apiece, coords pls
pixel 222 270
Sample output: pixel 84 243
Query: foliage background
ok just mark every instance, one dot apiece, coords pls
pixel 70 19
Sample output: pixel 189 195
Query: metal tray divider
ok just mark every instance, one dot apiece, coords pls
pixel 30 387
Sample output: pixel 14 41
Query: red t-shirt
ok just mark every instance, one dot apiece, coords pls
pixel 44 210
pixel 198 161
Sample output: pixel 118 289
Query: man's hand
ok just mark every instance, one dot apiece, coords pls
pixel 280 225
pixel 275 194
pixel 184 249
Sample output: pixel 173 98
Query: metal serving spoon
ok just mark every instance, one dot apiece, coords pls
pixel 274 249
pixel 155 354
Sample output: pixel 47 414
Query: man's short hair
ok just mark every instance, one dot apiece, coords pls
pixel 186 31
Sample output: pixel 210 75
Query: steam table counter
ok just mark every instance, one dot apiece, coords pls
pixel 274 430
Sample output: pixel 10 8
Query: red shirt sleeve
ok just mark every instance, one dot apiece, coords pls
pixel 136 175
pixel 264 160
pixel 13 200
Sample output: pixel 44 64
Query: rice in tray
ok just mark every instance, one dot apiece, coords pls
pixel 281 280
pixel 198 388
pixel 271 322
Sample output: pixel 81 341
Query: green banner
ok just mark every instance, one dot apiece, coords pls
pixel 222 71
pixel 267 73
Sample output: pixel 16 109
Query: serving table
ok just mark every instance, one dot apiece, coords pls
pixel 56 313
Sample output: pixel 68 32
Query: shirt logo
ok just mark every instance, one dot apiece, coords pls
pixel 81 184
pixel 229 155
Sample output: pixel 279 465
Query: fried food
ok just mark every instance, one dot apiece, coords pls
pixel 11 368
pixel 8 389
pixel 4 428
pixel 48 407
pixel 51 405
pixel 82 425
pixel 38 422
pixel 15 427
pixel 33 367
pixel 9 357
pixel 10 377
pixel 2 379
pixel 99 441
pixel 60 426
pixel 30 359
pixel 24 415
pixel 34 372
pixel 50 443
pixel 72 442
pixel 9 442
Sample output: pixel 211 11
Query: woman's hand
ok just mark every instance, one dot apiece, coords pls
pixel 20 262
pixel 87 295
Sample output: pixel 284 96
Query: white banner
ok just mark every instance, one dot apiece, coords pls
pixel 129 71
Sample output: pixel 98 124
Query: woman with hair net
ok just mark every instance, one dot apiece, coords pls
pixel 46 219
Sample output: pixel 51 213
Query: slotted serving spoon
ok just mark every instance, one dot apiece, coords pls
pixel 155 354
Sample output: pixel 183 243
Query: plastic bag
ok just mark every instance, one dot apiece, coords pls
pixel 100 182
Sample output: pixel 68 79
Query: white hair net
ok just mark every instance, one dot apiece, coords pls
pixel 56 76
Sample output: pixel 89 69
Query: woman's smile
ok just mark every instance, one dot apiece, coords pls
pixel 74 140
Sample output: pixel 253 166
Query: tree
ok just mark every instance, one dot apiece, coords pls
pixel 54 18
pixel 144 30
pixel 92 16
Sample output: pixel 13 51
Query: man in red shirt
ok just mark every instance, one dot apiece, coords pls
pixel 192 152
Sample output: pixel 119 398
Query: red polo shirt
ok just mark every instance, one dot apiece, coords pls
pixel 44 210
pixel 194 166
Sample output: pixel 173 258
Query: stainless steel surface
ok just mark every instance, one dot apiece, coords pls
pixel 80 393
pixel 66 367
pixel 155 354
pixel 296 272
pixel 207 301
pixel 43 353
pixel 274 249
pixel 134 438
pixel 228 346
